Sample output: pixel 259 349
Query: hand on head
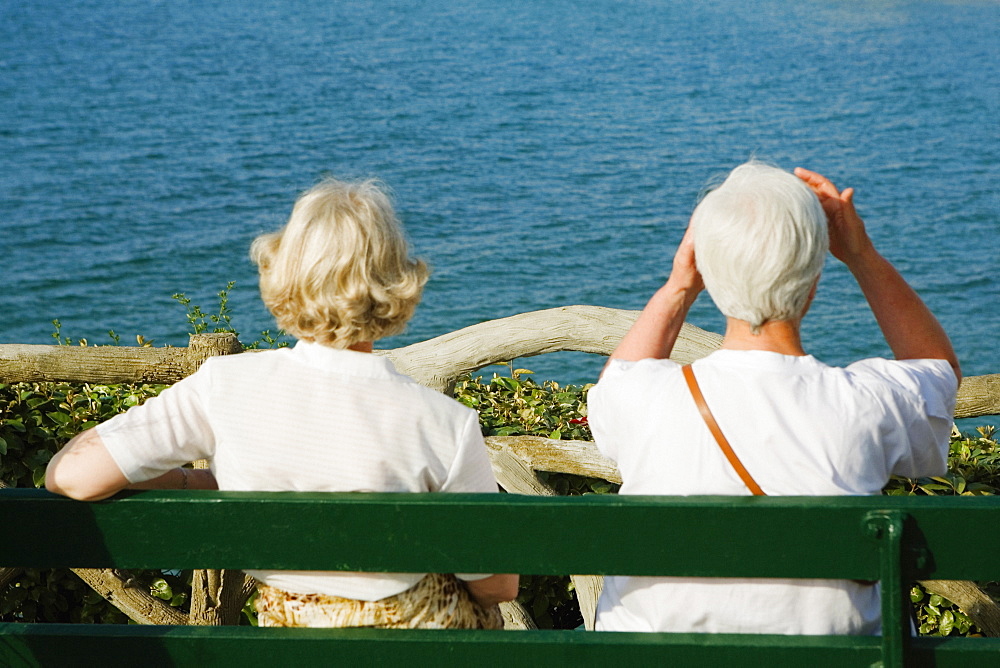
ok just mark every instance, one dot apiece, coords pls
pixel 685 272
pixel 848 238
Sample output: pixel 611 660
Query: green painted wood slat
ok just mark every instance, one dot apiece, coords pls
pixel 106 646
pixel 745 537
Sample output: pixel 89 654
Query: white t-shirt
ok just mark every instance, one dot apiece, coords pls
pixel 308 418
pixel 800 427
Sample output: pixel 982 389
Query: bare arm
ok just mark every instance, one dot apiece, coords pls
pixel 655 331
pixel 180 478
pixel 908 326
pixel 85 470
pixel 494 589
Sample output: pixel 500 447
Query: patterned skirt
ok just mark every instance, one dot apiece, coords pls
pixel 436 602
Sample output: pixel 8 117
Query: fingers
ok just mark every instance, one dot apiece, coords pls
pixel 821 185
pixel 812 178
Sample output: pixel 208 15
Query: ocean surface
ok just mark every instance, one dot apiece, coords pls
pixel 541 154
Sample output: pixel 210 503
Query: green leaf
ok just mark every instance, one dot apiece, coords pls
pixel 38 476
pixel 3 446
pixel 947 623
pixel 17 424
pixel 936 488
pixel 161 589
pixel 506 383
pixel 60 418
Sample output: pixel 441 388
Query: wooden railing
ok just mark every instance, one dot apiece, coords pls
pixel 435 363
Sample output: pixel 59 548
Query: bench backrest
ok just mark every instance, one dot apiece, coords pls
pixel 892 539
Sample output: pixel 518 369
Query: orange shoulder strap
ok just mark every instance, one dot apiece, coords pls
pixel 713 427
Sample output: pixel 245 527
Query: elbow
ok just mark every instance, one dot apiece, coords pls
pixel 494 589
pixel 84 470
pixel 506 588
pixel 59 482
pixel 511 588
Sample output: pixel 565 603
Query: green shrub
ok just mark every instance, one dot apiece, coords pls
pixel 36 419
pixel 973 470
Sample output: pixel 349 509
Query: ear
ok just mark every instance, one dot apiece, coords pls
pixel 812 295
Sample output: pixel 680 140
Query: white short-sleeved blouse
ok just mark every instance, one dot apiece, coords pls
pixel 308 418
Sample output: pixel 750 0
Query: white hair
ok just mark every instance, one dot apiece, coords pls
pixel 760 241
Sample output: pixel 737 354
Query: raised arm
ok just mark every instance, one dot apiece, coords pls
pixel 908 326
pixel 655 331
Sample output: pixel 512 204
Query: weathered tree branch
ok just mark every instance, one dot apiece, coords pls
pixel 138 604
pixel 972 600
pixel 545 454
pixel 218 597
pixel 111 364
pixel 515 617
pixel 437 362
pixel 978 395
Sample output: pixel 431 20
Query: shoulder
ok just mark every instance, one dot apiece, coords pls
pixel 625 370
pixel 622 380
pixel 431 400
pixel 921 387
pixel 404 394
pixel 917 376
pixel 248 366
pixel 247 359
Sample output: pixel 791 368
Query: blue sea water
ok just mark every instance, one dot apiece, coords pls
pixel 541 154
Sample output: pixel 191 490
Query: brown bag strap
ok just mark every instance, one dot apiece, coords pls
pixel 713 427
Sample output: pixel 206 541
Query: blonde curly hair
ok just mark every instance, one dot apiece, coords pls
pixel 339 272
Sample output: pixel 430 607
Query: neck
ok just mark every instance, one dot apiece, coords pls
pixel 362 347
pixel 776 336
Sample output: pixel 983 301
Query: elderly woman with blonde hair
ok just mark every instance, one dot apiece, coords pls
pixel 324 415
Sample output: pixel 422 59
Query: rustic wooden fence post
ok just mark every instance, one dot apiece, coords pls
pixel 217 596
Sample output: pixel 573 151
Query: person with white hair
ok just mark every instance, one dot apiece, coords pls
pixel 326 415
pixel 760 415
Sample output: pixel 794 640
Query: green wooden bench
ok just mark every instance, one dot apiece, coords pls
pixel 893 539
